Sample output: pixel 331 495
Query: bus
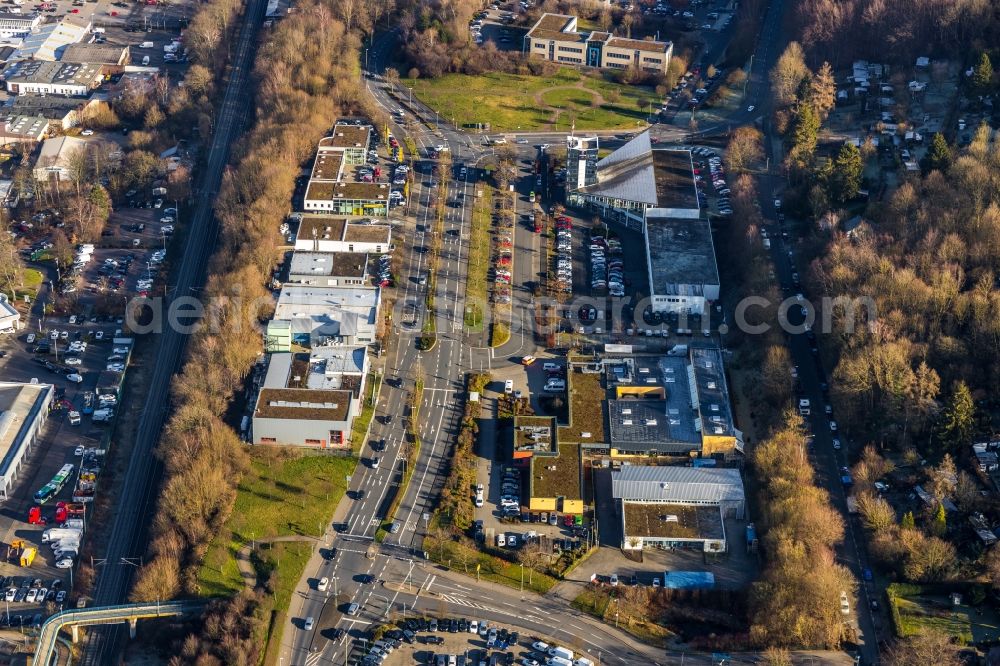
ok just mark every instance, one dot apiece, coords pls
pixel 52 488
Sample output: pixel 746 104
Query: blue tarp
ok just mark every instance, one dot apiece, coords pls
pixel 688 580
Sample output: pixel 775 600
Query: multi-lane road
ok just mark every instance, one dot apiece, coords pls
pixel 371 574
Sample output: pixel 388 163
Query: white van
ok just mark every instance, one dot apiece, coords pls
pixel 555 385
pixel 551 367
pixel 508 386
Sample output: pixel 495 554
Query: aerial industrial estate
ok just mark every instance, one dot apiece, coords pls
pixel 634 332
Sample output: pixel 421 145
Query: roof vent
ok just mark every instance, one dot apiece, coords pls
pixel 626 411
pixel 627 422
pixel 651 422
pixel 670 518
pixel 711 385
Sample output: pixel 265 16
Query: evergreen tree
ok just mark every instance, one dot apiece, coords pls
pixel 982 75
pixel 938 156
pixel 958 419
pixel 907 523
pixel 940 523
pixel 844 179
pixel 804 135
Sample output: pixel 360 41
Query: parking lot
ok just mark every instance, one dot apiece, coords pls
pixel 449 641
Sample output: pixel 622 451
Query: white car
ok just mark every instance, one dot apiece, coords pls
pixel 31 596
pixel 474 627
pixel 87 132
pixel 540 646
pixel 323 583
pixel 74 361
pixel 75 378
pixel 750 108
pixel 54 335
pixel 115 367
pixel 833 426
pixel 64 563
pixel 99 335
pixel 79 450
pixel 11 593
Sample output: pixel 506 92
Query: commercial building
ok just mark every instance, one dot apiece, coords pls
pixel 311 399
pixel 55 158
pixel 23 410
pixel 329 189
pixel 10 318
pixel 327 233
pixel 49 41
pixel 18 25
pixel 23 129
pixel 101 54
pixel 654 190
pixel 62 112
pixel 555 38
pixel 677 507
pixel 312 316
pixel 671 406
pixel 581 161
pixel 71 79
pixel 329 269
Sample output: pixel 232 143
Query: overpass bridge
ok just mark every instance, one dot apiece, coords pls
pixel 82 617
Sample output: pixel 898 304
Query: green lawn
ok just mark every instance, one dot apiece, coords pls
pixel 916 617
pixel 509 102
pixel 479 261
pixel 462 558
pixel 360 428
pixel 284 493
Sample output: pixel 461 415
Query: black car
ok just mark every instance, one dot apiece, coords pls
pixel 434 640
pixel 453 627
pixel 408 635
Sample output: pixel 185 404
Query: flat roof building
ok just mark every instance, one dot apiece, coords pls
pixel 18 25
pixel 72 79
pixel 10 318
pixel 555 38
pixel 654 190
pixel 315 316
pixel 311 399
pixel 329 233
pixel 677 507
pixel 680 258
pixel 329 190
pixel 23 411
pixel 330 269
pixel 93 53
pixel 671 405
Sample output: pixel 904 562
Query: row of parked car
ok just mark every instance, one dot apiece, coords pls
pixel 32 591
pixel 564 255
pixel 606 265
pixel 503 254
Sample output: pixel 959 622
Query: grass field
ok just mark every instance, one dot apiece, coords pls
pixel 479 261
pixel 511 102
pixel 917 615
pixel 284 493
pixel 462 558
